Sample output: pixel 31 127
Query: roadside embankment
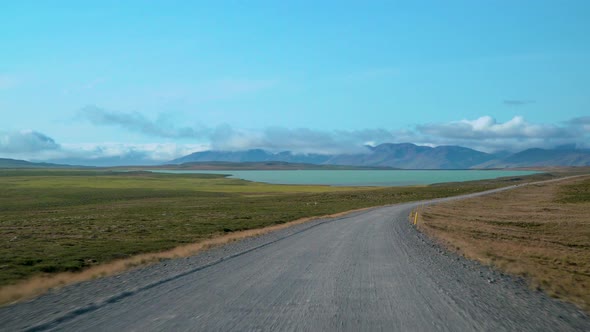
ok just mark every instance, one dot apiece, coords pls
pixel 539 231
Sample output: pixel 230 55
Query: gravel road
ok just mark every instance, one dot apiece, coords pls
pixel 369 270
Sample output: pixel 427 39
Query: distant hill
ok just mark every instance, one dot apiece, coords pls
pixel 404 155
pixel 269 165
pixel 542 157
pixel 255 155
pixel 407 156
pixel 15 163
pixel 410 156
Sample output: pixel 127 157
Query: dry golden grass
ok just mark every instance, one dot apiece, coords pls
pixel 541 232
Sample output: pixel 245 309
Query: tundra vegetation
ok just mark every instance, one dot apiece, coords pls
pixel 540 232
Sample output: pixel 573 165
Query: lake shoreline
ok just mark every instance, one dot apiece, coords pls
pixel 360 178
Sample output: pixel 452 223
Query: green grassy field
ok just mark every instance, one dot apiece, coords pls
pixel 67 220
pixel 578 193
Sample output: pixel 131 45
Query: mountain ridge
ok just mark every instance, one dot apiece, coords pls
pixel 408 156
pixel 17 163
pixel 386 155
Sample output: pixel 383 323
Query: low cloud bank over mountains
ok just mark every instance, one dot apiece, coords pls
pixel 435 145
pixel 409 156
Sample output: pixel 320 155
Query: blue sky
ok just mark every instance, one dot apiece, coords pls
pixel 148 81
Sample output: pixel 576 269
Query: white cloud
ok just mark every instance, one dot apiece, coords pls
pixel 487 127
pixel 483 133
pixel 155 152
pixel 35 146
pixel 582 122
pixel 136 122
pixel 487 134
pixel 26 141
pixel 300 140
pixel 225 137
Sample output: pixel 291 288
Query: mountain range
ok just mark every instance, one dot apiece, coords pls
pixel 408 156
pixel 387 155
pixel 15 163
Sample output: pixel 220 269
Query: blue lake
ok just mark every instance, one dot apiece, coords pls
pixel 361 177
